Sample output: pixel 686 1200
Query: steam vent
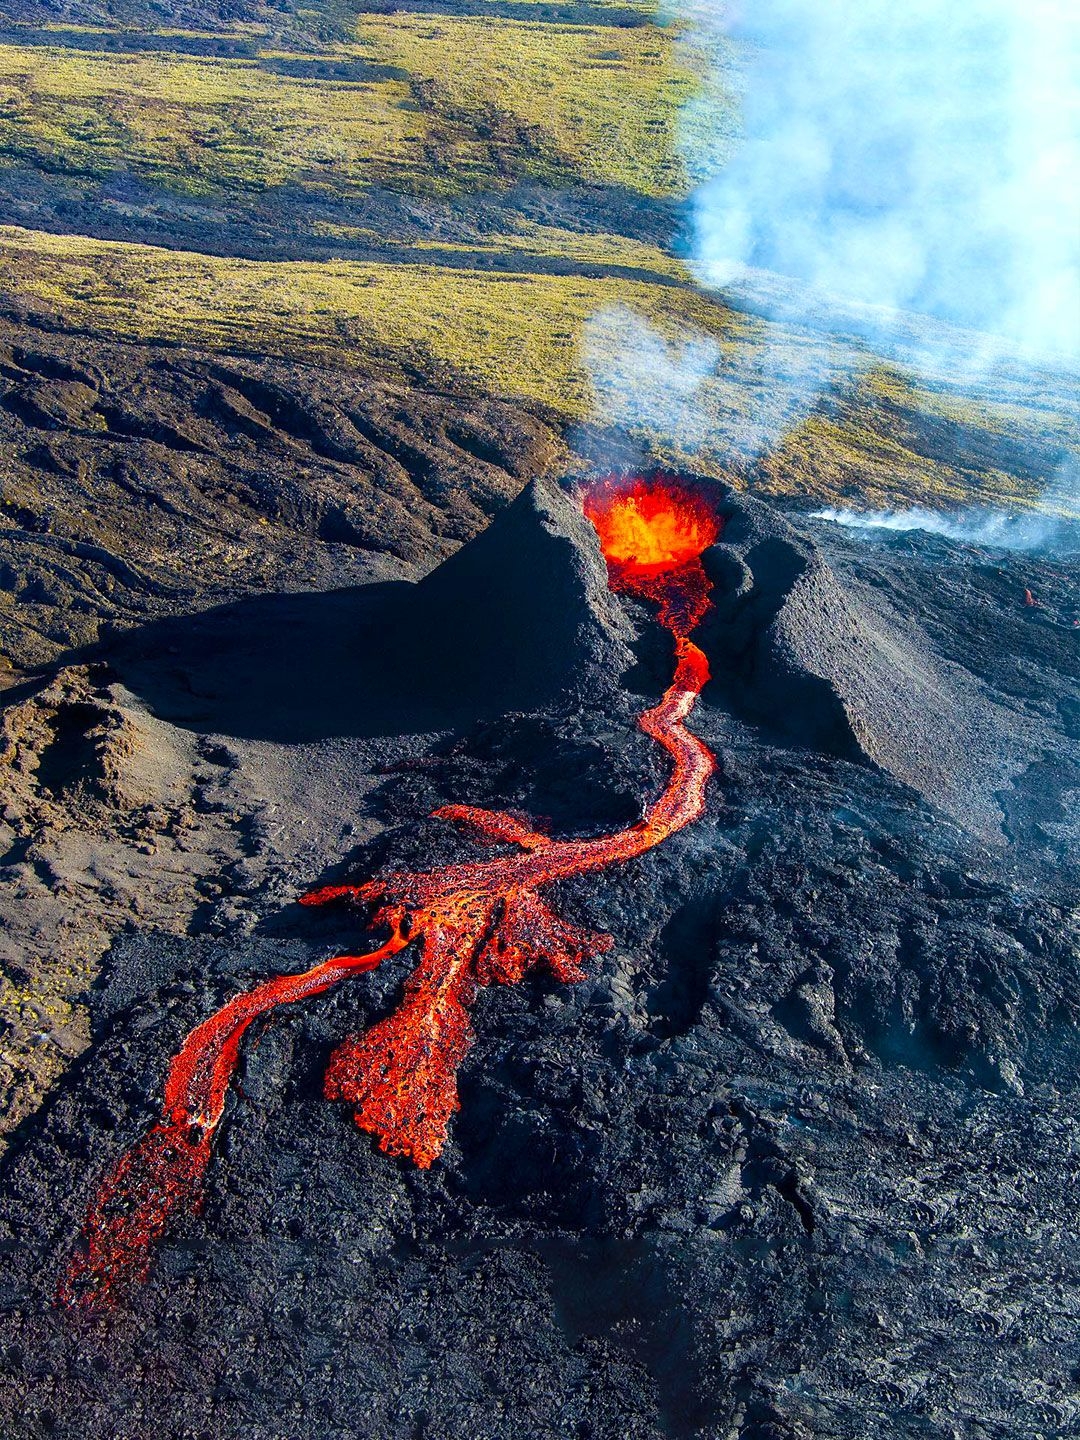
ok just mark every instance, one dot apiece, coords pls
pixel 539 721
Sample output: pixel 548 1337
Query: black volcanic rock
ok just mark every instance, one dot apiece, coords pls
pixel 823 662
pixel 521 618
pixel 146 480
pixel 521 615
pixel 795 1160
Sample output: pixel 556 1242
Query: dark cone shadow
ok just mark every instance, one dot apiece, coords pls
pixel 292 669
pixel 519 619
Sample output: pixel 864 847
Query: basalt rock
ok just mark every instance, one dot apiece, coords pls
pixel 795 1159
pixel 821 661
pixel 523 614
pixel 146 480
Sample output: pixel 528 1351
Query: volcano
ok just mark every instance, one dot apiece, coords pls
pixel 788 811
pixel 477 924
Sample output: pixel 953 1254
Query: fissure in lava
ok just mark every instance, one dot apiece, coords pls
pixel 474 924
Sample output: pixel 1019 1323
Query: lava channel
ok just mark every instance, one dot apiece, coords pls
pixel 474 924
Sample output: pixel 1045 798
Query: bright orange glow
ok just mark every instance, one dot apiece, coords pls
pixel 475 923
pixel 650 517
pixel 652 524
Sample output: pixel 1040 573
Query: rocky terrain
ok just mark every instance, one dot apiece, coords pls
pixel 313 321
pixel 796 1158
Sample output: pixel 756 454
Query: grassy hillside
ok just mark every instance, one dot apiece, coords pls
pixel 486 190
pixel 197 124
pixel 839 426
pixel 427 105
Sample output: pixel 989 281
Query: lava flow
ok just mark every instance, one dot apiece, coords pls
pixel 475 923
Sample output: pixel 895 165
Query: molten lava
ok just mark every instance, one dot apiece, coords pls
pixel 649 524
pixel 653 533
pixel 475 923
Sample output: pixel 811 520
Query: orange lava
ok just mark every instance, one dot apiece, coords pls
pixel 649 524
pixel 475 923
pixel 653 532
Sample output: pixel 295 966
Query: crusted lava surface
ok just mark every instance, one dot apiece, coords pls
pixel 142 480
pixel 794 1159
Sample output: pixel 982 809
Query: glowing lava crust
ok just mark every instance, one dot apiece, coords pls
pixel 475 924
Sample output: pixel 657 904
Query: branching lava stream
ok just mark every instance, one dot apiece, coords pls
pixel 475 924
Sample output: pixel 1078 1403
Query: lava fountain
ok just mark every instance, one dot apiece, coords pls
pixel 473 924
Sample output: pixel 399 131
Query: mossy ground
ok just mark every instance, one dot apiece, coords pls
pixel 838 427
pixel 418 103
pixel 480 181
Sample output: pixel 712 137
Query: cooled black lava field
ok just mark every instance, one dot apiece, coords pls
pixel 798 1158
pixel 539 720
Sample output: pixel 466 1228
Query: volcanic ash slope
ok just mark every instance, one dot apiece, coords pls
pixel 793 1161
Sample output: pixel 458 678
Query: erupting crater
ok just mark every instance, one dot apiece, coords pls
pixel 474 923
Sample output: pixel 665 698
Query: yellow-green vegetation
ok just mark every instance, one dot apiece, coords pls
pixel 896 438
pixel 513 333
pixel 529 241
pixel 441 106
pixel 570 10
pixel 1004 409
pixel 39 1014
pixel 606 99
pixel 198 123
pixel 431 106
pixel 838 427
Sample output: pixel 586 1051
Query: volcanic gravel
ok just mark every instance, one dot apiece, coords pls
pixel 799 1159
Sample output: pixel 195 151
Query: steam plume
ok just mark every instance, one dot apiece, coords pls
pixel 701 398
pixel 982 526
pixel 919 156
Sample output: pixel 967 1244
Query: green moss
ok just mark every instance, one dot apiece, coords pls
pixel 516 334
pixel 195 125
pixel 873 434
pixel 605 101
pixel 439 107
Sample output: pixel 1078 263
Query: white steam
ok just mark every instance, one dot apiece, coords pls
pixel 891 162
pixel 701 397
pixel 992 529
pixel 642 381
pixel 920 156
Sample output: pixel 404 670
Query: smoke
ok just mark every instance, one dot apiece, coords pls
pixel 642 381
pixel 699 397
pixel 918 156
pixel 1052 525
pixel 899 174
pixel 987 528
